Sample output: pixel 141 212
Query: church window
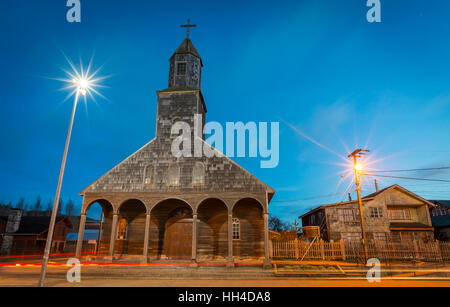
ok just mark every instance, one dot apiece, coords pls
pixel 122 229
pixel 181 68
pixel 198 174
pixel 148 174
pixel 174 175
pixel 236 229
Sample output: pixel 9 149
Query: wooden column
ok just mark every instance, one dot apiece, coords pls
pixel 80 235
pixel 230 259
pixel 194 238
pixel 112 242
pixel 266 240
pixel 146 235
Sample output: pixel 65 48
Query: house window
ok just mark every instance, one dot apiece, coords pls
pixel 198 174
pixel 181 69
pixel 347 215
pixel 174 175
pixel 376 212
pixel 440 211
pixel 399 214
pixel 122 229
pixel 351 236
pixel 236 229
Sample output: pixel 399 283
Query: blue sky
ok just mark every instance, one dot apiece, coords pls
pixel 318 66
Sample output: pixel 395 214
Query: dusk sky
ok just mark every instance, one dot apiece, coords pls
pixel 317 67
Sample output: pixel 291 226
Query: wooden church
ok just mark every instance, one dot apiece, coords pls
pixel 165 208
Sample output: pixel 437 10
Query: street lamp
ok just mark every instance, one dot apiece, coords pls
pixel 358 153
pixel 82 84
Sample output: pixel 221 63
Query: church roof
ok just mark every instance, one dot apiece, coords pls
pixel 187 47
pixel 222 173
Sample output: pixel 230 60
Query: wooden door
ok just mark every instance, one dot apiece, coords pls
pixel 178 238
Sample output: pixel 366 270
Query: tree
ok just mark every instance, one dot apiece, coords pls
pixel 21 203
pixel 60 207
pixel 49 207
pixel 37 205
pixel 276 224
pixel 70 207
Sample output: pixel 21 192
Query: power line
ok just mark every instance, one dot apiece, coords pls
pixel 308 198
pixel 412 170
pixel 409 178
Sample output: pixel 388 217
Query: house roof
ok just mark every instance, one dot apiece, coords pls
pixel 90 223
pixel 396 186
pixel 441 221
pixel 370 197
pixel 89 234
pixel 326 206
pixel 37 224
pixel 378 192
pixel 445 203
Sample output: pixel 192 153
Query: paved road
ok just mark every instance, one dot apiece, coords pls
pixel 25 277
pixel 8 282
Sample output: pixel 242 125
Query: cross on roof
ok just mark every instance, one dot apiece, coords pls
pixel 188 26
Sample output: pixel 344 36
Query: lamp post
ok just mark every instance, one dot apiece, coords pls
pixel 82 85
pixel 357 167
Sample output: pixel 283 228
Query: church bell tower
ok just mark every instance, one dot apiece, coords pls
pixel 182 99
pixel 185 65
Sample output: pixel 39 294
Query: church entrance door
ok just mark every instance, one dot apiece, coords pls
pixel 178 238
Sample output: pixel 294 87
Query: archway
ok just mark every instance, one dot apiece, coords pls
pixel 130 228
pixel 212 230
pixel 248 229
pixel 171 230
pixel 98 226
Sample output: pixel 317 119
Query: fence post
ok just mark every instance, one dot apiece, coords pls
pixel 438 251
pixel 416 250
pixel 322 249
pixel 296 248
pixel 342 243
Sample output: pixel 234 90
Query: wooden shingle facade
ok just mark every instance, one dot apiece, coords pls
pixel 165 207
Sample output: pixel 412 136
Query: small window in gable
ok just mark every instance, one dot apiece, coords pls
pixel 198 174
pixel 174 175
pixel 148 175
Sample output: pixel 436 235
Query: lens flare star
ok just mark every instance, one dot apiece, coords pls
pixel 82 81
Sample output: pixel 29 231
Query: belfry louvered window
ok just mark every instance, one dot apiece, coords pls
pixel 181 69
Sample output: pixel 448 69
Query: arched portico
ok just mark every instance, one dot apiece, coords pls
pixel 130 228
pixel 212 230
pixel 249 232
pixel 107 210
pixel 172 228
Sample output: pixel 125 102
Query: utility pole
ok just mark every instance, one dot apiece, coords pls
pixel 358 153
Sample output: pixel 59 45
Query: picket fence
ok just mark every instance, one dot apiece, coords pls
pixel 433 251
